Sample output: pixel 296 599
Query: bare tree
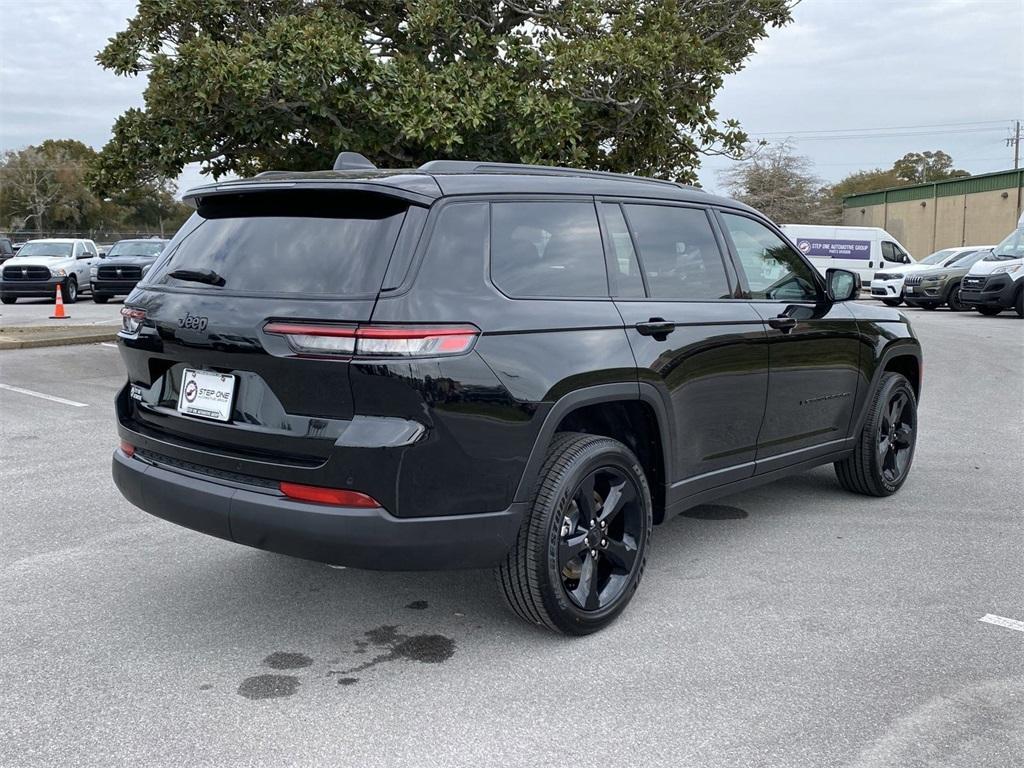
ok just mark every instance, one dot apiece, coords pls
pixel 780 184
pixel 30 187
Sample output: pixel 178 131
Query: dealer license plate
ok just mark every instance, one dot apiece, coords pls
pixel 206 395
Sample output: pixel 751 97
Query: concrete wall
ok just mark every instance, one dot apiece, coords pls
pixel 925 226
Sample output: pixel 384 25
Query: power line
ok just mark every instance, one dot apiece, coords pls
pixel 883 128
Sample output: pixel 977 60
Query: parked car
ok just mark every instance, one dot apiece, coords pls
pixel 6 249
pixel 997 282
pixel 41 265
pixel 479 364
pixel 125 264
pixel 932 288
pixel 858 249
pixel 888 285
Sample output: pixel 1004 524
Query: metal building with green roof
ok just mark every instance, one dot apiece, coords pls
pixel 973 210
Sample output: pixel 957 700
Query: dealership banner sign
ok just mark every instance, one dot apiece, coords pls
pixel 835 249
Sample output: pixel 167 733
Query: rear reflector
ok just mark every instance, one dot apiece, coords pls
pixel 336 496
pixel 376 340
pixel 127 449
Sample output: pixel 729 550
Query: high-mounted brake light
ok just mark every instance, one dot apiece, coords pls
pixel 337 496
pixel 131 320
pixel 376 340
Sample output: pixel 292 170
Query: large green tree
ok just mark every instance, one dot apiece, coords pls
pixel 922 167
pixel 246 85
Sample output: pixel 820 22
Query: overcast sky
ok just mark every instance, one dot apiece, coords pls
pixel 844 80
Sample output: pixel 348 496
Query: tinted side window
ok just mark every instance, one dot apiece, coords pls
pixel 547 249
pixel 678 251
pixel 625 270
pixel 773 269
pixel 889 252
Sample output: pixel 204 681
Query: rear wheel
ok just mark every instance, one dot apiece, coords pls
pixel 892 302
pixel 101 298
pixel 990 311
pixel 581 551
pixel 71 290
pixel 954 299
pixel 8 299
pixel 881 461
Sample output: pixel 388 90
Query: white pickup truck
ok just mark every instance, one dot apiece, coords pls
pixel 42 265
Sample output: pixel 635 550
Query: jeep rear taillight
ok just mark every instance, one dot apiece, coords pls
pixel 376 340
pixel 131 320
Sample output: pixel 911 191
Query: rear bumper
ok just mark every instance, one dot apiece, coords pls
pixel 998 291
pixel 361 538
pixel 113 287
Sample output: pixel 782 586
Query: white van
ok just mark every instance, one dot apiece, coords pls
pixel 863 250
pixel 997 282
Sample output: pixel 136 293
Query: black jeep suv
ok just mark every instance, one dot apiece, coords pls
pixel 470 365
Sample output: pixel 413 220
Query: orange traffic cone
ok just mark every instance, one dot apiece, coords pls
pixel 58 308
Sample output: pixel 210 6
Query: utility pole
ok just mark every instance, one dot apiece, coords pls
pixel 1016 146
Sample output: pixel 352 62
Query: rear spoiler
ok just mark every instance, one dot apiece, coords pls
pixel 414 188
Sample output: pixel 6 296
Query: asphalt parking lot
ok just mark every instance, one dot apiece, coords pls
pixel 82 312
pixel 793 625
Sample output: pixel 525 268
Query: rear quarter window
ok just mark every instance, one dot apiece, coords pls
pixel 299 242
pixel 547 249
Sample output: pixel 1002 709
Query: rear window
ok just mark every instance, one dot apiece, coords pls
pixel 308 242
pixel 547 249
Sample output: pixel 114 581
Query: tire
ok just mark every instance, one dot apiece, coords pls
pixel 990 311
pixel 881 461
pixel 70 290
pixel 101 298
pixel 928 306
pixel 545 577
pixel 892 302
pixel 8 299
pixel 1020 302
pixel 953 301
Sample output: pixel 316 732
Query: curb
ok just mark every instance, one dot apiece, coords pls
pixel 33 337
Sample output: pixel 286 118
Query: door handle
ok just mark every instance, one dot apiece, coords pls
pixel 657 327
pixel 783 323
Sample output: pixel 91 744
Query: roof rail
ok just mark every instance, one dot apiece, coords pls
pixel 477 166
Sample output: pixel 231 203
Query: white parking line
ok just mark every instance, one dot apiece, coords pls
pixel 60 400
pixel 1002 621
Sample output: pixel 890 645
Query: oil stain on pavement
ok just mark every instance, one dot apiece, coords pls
pixel 424 648
pixel 275 686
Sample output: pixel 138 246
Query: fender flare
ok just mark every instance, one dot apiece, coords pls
pixel 902 347
pixel 602 393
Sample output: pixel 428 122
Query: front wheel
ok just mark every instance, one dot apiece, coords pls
pixel 954 299
pixel 892 302
pixel 581 550
pixel 990 311
pixel 71 290
pixel 880 463
pixel 1020 302
pixel 8 299
pixel 100 298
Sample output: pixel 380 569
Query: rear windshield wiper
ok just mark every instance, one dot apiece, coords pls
pixel 197 276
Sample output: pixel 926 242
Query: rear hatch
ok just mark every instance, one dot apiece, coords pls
pixel 242 261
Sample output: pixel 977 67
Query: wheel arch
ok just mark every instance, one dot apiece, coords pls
pixel 630 412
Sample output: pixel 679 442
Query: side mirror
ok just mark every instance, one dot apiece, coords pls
pixel 843 285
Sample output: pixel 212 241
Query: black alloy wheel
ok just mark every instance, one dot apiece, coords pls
pixel 881 460
pixel 896 436
pixel 582 547
pixel 599 536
